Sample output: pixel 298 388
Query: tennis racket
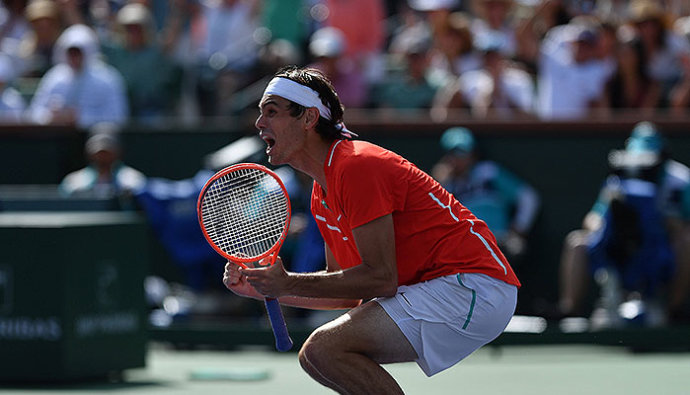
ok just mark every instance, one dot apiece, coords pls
pixel 244 213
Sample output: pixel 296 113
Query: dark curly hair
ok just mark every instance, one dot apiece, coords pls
pixel 316 80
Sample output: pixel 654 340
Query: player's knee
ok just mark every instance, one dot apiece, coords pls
pixel 315 351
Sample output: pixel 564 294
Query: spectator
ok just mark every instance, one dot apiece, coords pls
pixel 226 49
pixel 634 240
pixel 569 62
pixel 533 26
pixel 652 58
pixel 13 25
pixel 454 51
pixel 80 89
pixel 105 175
pixel 328 46
pixel 408 86
pixel 152 78
pixel 506 203
pixel 493 23
pixel 680 96
pixel 12 104
pixel 499 88
pixel 38 45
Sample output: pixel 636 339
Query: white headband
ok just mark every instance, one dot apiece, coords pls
pixel 304 96
pixel 298 93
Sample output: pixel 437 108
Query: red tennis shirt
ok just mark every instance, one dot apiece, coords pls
pixel 435 235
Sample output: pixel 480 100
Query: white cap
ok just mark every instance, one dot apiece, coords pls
pixel 433 5
pixel 327 42
pixel 134 14
pixel 102 142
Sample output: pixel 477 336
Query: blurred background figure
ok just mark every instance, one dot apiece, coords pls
pixel 407 84
pixel 105 174
pixel 654 59
pixel 13 24
pixel 226 49
pixel 634 240
pixel 508 204
pixel 569 62
pixel 499 89
pixel 153 78
pixel 493 22
pixel 680 96
pixel 38 45
pixel 328 47
pixel 453 52
pixel 12 104
pixel 80 90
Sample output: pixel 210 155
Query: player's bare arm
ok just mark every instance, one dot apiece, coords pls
pixel 376 276
pixel 237 282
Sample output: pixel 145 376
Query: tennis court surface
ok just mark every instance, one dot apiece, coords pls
pixel 535 370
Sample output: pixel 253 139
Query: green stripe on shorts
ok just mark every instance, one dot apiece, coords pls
pixel 474 299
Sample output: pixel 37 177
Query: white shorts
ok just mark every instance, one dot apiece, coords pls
pixel 448 318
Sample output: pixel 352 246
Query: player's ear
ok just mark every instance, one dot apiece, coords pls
pixel 311 116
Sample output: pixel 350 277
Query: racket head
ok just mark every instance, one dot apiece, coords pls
pixel 244 213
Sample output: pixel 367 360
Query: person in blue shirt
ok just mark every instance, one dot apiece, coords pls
pixel 634 241
pixel 508 204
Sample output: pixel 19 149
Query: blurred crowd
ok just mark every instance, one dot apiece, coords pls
pixel 79 62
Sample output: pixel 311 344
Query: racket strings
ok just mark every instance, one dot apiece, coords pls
pixel 245 212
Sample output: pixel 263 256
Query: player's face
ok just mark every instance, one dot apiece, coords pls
pixel 282 132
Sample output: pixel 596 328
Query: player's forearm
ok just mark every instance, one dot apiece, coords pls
pixel 359 282
pixel 319 303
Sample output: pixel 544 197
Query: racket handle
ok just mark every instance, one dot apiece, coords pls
pixel 280 331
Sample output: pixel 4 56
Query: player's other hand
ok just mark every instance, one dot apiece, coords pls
pixel 235 281
pixel 268 280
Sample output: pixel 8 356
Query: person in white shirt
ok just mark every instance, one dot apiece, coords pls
pixel 80 90
pixel 571 77
pixel 498 88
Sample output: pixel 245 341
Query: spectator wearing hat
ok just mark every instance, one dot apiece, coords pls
pixel 105 175
pixel 508 204
pixel 153 79
pixel 654 59
pixel 572 76
pixel 80 90
pixel 634 241
pixel 37 47
pixel 328 47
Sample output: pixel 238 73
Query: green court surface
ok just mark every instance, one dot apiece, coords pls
pixel 534 370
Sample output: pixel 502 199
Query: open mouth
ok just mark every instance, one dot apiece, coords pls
pixel 269 143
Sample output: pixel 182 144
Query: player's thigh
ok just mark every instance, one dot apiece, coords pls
pixel 367 330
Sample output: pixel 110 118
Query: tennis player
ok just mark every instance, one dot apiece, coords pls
pixel 423 276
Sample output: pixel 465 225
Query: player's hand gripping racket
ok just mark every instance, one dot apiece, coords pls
pixel 244 212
